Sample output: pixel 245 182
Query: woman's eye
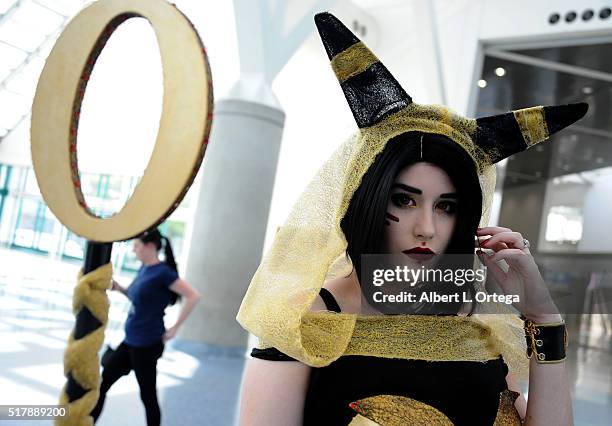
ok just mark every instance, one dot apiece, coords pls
pixel 402 200
pixel 448 207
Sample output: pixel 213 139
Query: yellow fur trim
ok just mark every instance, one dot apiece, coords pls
pixel 352 61
pixel 532 123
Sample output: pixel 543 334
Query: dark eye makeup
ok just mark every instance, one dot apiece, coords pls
pixel 401 200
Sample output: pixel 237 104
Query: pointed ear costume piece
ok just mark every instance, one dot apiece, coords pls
pixel 373 94
pixel 370 89
pixel 506 134
pixel 310 248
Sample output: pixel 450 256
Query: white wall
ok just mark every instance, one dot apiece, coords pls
pixel 595 199
pixel 597 224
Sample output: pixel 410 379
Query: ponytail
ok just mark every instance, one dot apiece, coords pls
pixel 169 254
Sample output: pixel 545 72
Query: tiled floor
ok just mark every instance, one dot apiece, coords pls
pixel 197 384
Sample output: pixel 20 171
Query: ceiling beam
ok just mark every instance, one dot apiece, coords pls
pixel 590 131
pixel 6 43
pixel 12 9
pixel 44 6
pixel 575 40
pixel 550 65
pixel 31 55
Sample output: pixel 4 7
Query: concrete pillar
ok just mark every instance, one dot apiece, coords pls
pixel 231 216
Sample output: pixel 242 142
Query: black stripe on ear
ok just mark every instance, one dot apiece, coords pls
pixel 499 136
pixel 335 36
pixel 374 94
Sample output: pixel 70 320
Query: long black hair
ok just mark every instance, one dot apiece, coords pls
pixel 155 237
pixel 363 224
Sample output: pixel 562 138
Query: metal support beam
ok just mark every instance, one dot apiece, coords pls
pixel 11 45
pixel 44 6
pixel 23 64
pixel 31 56
pixel 264 43
pixel 550 65
pixel 6 15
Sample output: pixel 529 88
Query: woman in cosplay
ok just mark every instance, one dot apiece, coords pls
pixel 415 180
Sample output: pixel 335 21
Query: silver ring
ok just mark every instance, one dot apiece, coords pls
pixel 526 243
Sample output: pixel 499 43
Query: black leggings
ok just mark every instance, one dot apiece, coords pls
pixel 144 363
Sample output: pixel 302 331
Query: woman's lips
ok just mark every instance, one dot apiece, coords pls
pixel 419 254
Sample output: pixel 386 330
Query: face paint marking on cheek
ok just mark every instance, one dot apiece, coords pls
pixel 392 217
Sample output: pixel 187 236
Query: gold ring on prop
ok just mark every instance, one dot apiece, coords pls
pixel 183 130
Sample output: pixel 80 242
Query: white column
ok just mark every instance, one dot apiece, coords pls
pixel 239 169
pixel 231 216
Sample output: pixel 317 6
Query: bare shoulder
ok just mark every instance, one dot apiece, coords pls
pixel 273 392
pixel 345 290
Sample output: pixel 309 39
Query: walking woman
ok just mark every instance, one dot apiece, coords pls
pixel 156 286
pixel 414 182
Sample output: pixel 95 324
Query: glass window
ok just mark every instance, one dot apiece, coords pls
pixel 3 175
pixel 26 224
pixel 74 246
pixel 564 224
pixel 115 187
pixel 90 184
pixel 31 183
pixel 130 262
pixel 48 239
pixel 17 176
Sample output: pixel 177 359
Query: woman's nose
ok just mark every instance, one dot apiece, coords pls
pixel 424 227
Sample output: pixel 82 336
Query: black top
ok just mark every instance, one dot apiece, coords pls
pixel 467 392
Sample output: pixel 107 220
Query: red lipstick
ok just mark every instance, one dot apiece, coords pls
pixel 419 253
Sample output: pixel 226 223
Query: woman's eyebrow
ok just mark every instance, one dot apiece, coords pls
pixel 406 188
pixel 414 190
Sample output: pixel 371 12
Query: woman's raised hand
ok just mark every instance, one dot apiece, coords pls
pixel 522 276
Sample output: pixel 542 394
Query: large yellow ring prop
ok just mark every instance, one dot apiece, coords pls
pixel 183 131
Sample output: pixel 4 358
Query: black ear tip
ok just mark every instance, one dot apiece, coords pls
pixel 323 17
pixel 581 109
pixel 574 111
pixel 561 116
